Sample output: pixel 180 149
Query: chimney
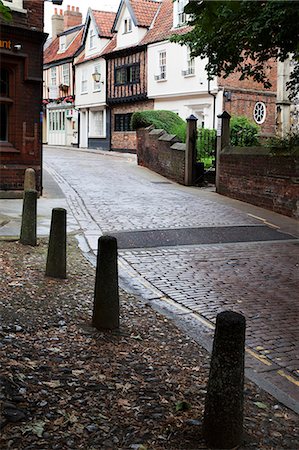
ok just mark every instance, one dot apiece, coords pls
pixel 72 17
pixel 57 23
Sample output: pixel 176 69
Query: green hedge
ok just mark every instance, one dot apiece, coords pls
pixel 243 132
pixel 166 120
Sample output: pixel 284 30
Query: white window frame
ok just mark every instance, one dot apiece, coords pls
pixel 259 112
pixel 66 74
pixel 190 71
pixel 127 25
pixel 92 38
pixel 84 82
pixel 15 5
pixel 182 16
pixel 97 86
pixel 53 76
pixel 162 60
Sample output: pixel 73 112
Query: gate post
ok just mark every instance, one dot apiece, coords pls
pixel 223 140
pixel 190 154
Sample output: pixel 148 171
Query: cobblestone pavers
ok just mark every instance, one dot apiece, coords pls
pixel 260 280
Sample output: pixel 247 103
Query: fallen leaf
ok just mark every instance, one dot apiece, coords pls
pixel 261 405
pixel 182 406
pixel 52 384
pixel 36 428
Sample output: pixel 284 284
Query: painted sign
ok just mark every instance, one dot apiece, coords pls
pixel 5 44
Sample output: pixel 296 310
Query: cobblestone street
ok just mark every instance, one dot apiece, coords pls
pixel 109 193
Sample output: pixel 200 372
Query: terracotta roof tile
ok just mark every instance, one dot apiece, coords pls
pixel 104 21
pixel 163 26
pixel 51 53
pixel 145 11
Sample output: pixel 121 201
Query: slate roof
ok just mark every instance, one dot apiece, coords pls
pixel 104 21
pixel 51 53
pixel 162 27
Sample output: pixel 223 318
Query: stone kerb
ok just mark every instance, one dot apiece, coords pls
pixel 161 152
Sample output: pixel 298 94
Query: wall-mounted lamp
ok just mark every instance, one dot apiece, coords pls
pixel 97 77
pixel 227 95
pixel 17 47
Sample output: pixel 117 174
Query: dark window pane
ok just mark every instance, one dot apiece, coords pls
pixel 123 122
pixel 4 83
pixel 3 122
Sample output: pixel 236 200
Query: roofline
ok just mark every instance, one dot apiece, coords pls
pixel 128 5
pixel 128 50
pixel 71 30
pixel 57 63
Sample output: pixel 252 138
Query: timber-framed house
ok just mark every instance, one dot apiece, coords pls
pixel 127 69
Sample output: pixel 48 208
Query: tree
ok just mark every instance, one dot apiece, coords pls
pixel 243 35
pixel 5 12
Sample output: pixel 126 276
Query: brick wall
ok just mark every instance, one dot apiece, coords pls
pixel 256 177
pixel 126 140
pixel 161 153
pixel 246 93
pixel 22 148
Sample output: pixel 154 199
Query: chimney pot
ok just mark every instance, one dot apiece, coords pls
pixel 73 8
pixel 77 9
pixel 55 11
pixel 68 7
pixel 61 12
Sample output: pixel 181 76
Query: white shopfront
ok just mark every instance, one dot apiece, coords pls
pixel 62 124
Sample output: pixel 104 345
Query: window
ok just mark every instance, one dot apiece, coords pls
pixel 53 76
pixel 190 64
pixel 127 74
pixel 4 105
pixel 96 124
pixel 162 66
pixel 66 74
pixel 84 83
pixel 62 43
pixel 92 38
pixel 97 84
pixel 259 112
pixel 123 122
pixel 127 25
pixel 182 17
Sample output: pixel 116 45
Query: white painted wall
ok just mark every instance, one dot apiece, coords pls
pixel 128 39
pixel 92 97
pixel 183 94
pixel 99 43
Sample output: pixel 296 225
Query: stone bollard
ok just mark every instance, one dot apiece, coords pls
pixel 28 227
pixel 106 297
pixel 223 416
pixel 29 180
pixel 56 260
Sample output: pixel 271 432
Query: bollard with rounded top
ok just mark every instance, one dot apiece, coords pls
pixel 56 260
pixel 29 180
pixel 106 297
pixel 223 416
pixel 28 226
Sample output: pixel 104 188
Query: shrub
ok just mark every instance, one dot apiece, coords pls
pixel 288 145
pixel 243 132
pixel 206 142
pixel 166 120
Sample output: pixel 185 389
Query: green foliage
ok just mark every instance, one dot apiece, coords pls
pixel 243 35
pixel 288 145
pixel 243 132
pixel 5 12
pixel 166 120
pixel 205 143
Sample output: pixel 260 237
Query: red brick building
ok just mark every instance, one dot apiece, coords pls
pixel 21 53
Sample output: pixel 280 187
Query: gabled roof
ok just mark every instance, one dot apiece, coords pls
pixel 162 27
pixel 142 12
pixel 104 22
pixel 51 54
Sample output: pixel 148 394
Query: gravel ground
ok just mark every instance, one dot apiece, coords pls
pixel 65 385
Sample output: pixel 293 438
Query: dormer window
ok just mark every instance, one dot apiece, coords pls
pixel 62 43
pixel 92 39
pixel 182 17
pixel 127 25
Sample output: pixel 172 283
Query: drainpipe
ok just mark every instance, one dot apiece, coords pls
pixel 214 103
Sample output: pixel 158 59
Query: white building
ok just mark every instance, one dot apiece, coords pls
pixel 91 81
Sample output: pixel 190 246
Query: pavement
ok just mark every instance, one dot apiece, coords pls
pixel 187 251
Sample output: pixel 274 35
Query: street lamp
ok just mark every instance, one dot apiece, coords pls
pixel 97 77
